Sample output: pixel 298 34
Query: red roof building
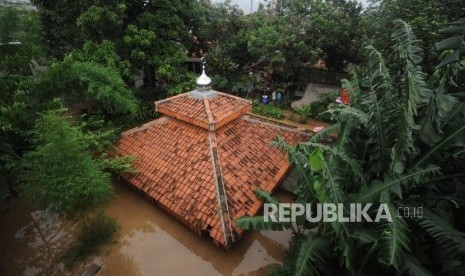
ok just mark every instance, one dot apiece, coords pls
pixel 202 161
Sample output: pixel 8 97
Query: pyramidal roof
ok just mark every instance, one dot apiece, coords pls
pixel 208 113
pixel 202 161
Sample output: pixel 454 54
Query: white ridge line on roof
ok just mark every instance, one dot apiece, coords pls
pixel 215 179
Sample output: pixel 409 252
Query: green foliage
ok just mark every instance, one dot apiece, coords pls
pixel 268 110
pixel 277 40
pixel 106 54
pixel 94 233
pixel 425 17
pixel 329 29
pixel 386 140
pixel 184 83
pixel 305 111
pixel 317 109
pixel 19 40
pixel 100 22
pixel 128 35
pixel 9 24
pixel 60 172
pixel 259 222
pixel 87 82
pixel 217 28
pixel 311 259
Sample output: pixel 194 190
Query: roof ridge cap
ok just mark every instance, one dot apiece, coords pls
pixel 208 111
pixel 223 202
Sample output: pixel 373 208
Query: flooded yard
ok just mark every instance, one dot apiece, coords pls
pixel 149 242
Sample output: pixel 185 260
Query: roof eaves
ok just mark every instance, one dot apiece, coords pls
pixel 235 97
pixel 150 124
pixel 157 103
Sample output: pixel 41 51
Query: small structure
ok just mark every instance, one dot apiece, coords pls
pixel 316 82
pixel 204 159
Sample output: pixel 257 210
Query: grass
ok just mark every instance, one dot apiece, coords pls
pixel 94 233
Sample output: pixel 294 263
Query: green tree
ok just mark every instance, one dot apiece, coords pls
pixel 60 172
pixel 59 21
pixel 20 40
pixel 332 26
pixel 216 30
pixel 399 144
pixel 105 54
pixel 67 173
pixel 425 16
pixel 91 83
pixel 102 22
pixel 19 44
pixel 150 35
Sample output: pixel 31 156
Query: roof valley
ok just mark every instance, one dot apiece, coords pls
pixel 225 217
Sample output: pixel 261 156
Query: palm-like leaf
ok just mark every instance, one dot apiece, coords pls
pixel 380 186
pixel 413 267
pixel 443 233
pixel 454 43
pixel 353 164
pixel 264 195
pixel 259 223
pixel 394 242
pixel 415 88
pixel 381 152
pixel 456 132
pixel 323 134
pixel 379 103
pixel 311 258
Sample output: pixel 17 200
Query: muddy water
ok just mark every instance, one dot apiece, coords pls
pixel 149 242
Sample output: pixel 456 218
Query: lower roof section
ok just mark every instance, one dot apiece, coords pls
pixel 197 179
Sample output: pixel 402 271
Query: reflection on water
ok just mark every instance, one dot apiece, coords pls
pixel 31 241
pixel 150 242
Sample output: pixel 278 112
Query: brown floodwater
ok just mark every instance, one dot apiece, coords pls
pixel 149 242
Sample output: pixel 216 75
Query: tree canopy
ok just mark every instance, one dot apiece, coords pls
pixel 67 84
pixel 399 143
pixel 60 172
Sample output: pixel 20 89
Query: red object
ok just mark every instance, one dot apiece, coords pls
pixel 345 96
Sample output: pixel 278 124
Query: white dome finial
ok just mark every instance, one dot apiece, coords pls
pixel 204 81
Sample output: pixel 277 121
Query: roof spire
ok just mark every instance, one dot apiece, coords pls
pixel 204 81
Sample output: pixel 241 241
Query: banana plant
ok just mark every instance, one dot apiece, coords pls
pixel 400 143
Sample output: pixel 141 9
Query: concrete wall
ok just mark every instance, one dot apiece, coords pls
pixel 313 93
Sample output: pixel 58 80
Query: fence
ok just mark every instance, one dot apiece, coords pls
pixel 314 75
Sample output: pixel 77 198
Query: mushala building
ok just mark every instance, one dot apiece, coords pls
pixel 202 161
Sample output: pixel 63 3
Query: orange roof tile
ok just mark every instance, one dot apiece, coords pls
pixel 210 114
pixel 207 178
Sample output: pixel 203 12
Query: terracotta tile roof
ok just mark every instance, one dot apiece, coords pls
pixel 207 113
pixel 206 179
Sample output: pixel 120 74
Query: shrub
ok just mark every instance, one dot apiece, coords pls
pixel 94 233
pixel 316 110
pixel 269 110
pixel 61 173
